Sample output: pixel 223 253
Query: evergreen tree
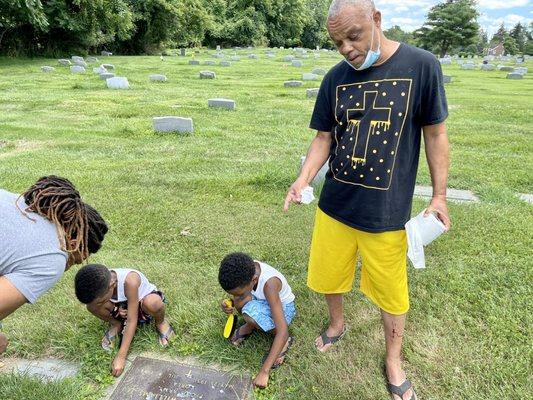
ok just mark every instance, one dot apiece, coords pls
pixel 518 33
pixel 449 24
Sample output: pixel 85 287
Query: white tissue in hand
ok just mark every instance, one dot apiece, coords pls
pixel 307 195
pixel 421 231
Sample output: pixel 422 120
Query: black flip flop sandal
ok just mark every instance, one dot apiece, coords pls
pixel 332 339
pixel 402 389
pixel 282 355
pixel 237 336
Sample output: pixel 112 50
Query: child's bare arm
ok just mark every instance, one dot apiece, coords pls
pixel 272 289
pixel 131 290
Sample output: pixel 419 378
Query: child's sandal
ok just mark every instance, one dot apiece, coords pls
pixel 168 335
pixel 237 339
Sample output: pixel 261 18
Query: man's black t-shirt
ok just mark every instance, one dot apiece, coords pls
pixel 375 117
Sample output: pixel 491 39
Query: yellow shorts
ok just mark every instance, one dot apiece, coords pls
pixel 333 260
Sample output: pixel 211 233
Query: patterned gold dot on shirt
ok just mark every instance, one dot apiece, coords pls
pixel 395 133
pixel 381 160
pixel 377 178
pixel 357 104
pixel 371 169
pixel 351 139
pixel 360 176
pixel 391 103
pixel 354 167
pixel 383 94
pixel 345 173
pixel 388 171
pixel 342 105
pixel 348 156
pixel 374 151
pixel 342 165
pixel 400 114
pixel 384 142
pixel 351 97
pixel 403 94
pixel 343 147
pixel 340 123
pixel 343 89
pixel 394 83
pixel 376 85
pixel 378 132
pixel 392 153
pixel 359 87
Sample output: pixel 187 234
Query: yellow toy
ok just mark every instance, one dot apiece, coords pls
pixel 231 323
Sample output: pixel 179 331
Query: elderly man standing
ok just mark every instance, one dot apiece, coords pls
pixel 370 112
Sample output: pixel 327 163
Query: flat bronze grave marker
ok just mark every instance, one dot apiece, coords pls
pixel 151 379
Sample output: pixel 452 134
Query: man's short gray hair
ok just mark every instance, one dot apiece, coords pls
pixel 337 5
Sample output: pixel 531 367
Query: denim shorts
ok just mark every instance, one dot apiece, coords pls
pixel 259 311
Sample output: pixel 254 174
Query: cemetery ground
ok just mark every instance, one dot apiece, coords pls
pixel 177 204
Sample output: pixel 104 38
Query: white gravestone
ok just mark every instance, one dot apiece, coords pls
pixel 222 103
pixel 118 82
pixel 173 124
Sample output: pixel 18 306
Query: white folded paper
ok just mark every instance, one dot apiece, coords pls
pixel 307 195
pixel 421 231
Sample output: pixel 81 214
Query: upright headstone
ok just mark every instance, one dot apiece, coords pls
pixel 468 66
pixel 218 47
pixel 108 66
pixel 92 59
pixel 173 124
pixel 183 52
pixel 64 61
pixel 118 82
pixel 225 64
pixel 488 67
pixel 252 56
pixel 505 68
pixel 520 70
pixel 288 58
pixel 158 78
pixel 207 75
pixel 106 53
pixel 80 63
pixel 77 58
pixel 222 103
pixel 297 63
pixel 194 62
pixel 292 83
pixel 320 176
pixel 76 69
pixel 512 75
pixel 312 92
pixel 46 68
pixel 319 71
pixel 99 70
pixel 309 77
pixel 106 75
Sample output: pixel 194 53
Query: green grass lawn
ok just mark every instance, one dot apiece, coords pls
pixel 470 325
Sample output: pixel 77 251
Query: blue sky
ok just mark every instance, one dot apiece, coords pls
pixel 411 14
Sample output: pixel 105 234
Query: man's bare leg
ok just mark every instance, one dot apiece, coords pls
pixel 336 320
pixel 394 326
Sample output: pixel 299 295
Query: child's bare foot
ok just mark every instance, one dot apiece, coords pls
pixel 111 335
pixel 166 333
pixel 241 334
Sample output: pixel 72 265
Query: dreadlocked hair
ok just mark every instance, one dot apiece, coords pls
pixel 57 199
pixel 97 229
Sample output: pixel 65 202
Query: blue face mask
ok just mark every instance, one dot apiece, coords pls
pixel 371 56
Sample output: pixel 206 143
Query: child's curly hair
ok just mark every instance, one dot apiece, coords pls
pixel 236 270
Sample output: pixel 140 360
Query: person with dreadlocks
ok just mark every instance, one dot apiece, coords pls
pixel 43 232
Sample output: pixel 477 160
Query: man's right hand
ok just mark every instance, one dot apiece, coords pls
pixel 227 306
pixel 3 343
pixel 294 195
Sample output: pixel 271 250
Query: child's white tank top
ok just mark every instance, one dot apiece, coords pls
pixel 267 272
pixel 144 290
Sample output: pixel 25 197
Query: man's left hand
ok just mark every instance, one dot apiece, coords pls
pixel 438 206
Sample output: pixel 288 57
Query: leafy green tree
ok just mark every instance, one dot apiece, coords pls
pixel 20 16
pixel 314 31
pixel 396 33
pixel 510 45
pixel 519 34
pixel 499 36
pixel 449 24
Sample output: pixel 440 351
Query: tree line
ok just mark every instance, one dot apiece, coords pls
pixel 58 27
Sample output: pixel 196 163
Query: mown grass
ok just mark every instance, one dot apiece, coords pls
pixel 470 325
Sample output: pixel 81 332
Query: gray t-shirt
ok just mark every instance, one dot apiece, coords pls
pixel 30 254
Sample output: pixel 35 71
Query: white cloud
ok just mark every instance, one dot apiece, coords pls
pixel 499 4
pixel 491 25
